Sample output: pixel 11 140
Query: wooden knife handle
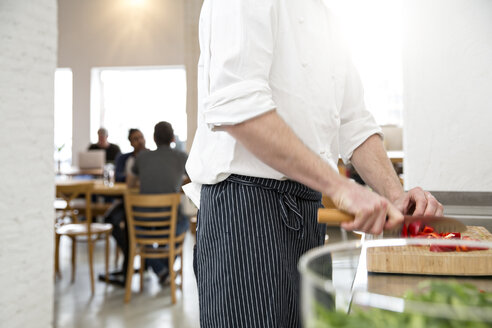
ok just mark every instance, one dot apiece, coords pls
pixel 331 216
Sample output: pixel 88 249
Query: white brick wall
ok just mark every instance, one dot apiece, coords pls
pixel 28 45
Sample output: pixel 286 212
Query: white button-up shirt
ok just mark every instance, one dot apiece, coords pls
pixel 261 55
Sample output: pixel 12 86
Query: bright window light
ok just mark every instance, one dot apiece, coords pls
pixel 373 30
pixel 63 115
pixel 136 2
pixel 124 98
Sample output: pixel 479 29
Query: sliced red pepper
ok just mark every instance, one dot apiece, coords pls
pixel 450 235
pixel 442 248
pixel 432 235
pixel 414 228
pixel 404 231
pixel 417 230
pixel 428 229
pixel 474 248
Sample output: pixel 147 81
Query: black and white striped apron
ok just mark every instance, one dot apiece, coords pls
pixel 251 233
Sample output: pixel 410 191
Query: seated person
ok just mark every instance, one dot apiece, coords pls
pixel 161 172
pixel 156 172
pixel 124 162
pixel 112 150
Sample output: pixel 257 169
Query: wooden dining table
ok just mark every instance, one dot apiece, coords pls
pixel 99 191
pixel 74 171
pixel 99 188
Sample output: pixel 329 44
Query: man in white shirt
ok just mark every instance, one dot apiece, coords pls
pixel 279 101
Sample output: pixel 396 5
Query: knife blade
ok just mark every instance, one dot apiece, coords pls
pixel 440 224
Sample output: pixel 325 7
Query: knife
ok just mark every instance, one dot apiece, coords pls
pixel 440 224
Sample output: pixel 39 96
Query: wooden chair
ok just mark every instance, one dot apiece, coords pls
pixel 73 205
pixel 92 231
pixel 152 221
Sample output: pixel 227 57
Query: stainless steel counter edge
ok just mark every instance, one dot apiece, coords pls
pixel 471 208
pixel 467 198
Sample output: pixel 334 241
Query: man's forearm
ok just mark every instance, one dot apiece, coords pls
pixel 270 139
pixel 373 165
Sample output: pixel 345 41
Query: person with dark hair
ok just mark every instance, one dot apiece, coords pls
pixel 156 172
pixel 160 171
pixel 163 134
pixel 125 162
pixel 112 150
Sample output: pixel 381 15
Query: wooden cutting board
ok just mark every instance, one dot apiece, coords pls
pixel 420 260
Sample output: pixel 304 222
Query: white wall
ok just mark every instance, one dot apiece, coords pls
pixel 192 54
pixel 28 41
pixel 101 33
pixel 448 94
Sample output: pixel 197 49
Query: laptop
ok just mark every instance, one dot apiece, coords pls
pixel 92 159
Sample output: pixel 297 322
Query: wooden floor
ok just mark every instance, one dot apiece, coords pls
pixel 74 306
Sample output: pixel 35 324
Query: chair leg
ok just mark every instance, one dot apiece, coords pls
pixel 74 257
pixel 173 278
pixel 129 275
pixel 181 271
pixel 90 244
pixel 106 261
pixel 141 270
pixel 57 255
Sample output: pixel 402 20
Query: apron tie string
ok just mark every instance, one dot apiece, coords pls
pixel 291 216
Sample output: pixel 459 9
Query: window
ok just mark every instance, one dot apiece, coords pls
pixel 373 30
pixel 124 98
pixel 63 116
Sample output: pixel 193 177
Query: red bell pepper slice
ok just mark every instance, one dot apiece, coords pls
pixel 414 228
pixel 417 230
pixel 474 248
pixel 404 231
pixel 451 235
pixel 442 248
pixel 428 229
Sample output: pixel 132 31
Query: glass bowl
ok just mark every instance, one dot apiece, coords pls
pixel 341 288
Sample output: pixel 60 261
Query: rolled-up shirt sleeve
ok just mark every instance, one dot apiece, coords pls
pixel 356 122
pixel 239 57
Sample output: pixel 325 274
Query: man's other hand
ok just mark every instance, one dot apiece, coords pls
pixel 419 202
pixel 372 212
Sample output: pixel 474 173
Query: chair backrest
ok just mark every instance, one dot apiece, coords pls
pixel 69 192
pixel 152 219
